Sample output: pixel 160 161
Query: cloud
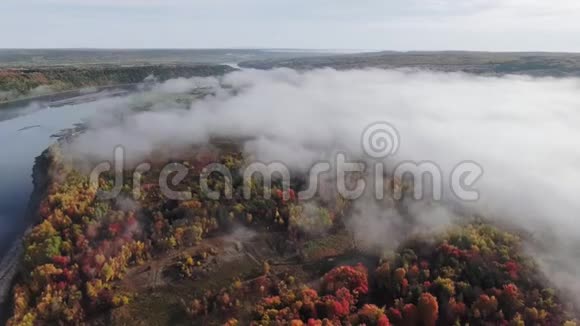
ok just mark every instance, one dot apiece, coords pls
pixel 518 124
pixel 521 130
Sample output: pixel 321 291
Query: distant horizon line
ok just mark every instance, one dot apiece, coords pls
pixel 345 50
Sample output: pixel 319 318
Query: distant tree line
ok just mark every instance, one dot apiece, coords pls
pixel 18 83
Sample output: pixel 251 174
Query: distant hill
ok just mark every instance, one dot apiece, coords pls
pixel 31 82
pixel 529 63
pixel 26 73
pixel 67 57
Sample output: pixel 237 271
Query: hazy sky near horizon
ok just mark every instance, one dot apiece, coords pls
pixel 491 25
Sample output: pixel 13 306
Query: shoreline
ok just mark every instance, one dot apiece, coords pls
pixel 64 95
pixel 10 263
pixel 165 72
pixel 9 269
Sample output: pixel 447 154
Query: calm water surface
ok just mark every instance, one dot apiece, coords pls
pixel 22 139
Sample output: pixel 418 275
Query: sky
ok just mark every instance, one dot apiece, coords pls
pixel 488 25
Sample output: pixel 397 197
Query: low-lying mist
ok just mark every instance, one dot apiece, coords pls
pixel 522 131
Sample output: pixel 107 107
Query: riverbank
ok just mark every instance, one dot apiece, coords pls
pixel 9 268
pixel 64 95
pixel 22 83
pixel 10 263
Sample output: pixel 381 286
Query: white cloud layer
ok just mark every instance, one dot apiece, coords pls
pixel 523 131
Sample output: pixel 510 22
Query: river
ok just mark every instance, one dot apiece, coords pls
pixel 25 132
pixel 22 139
pixel 27 128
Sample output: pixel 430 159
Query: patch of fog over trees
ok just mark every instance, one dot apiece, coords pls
pixel 523 131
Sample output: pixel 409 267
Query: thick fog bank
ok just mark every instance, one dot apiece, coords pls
pixel 522 131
